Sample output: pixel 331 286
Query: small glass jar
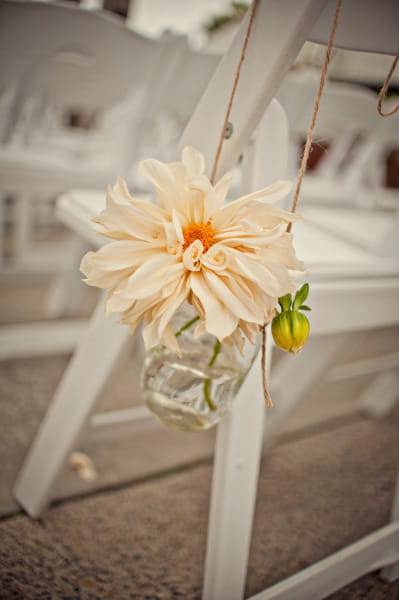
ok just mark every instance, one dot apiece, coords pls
pixel 194 392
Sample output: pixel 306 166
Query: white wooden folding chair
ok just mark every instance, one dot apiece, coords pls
pixel 60 62
pixel 182 74
pixel 53 59
pixel 353 140
pixel 279 30
pixel 57 59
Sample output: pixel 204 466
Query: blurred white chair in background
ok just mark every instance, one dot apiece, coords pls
pixel 380 176
pixel 62 66
pixel 81 91
pixel 185 76
pixel 59 62
pixel 352 143
pixel 344 141
pixel 168 104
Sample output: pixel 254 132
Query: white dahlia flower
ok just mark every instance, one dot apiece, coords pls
pixel 230 261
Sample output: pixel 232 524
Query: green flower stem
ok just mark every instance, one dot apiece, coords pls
pixel 207 394
pixel 179 332
pixel 216 350
pixel 186 326
pixel 207 382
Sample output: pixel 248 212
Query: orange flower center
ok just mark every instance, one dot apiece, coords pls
pixel 199 231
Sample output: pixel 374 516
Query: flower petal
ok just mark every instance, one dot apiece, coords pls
pixel 150 277
pixel 175 300
pixel 176 218
pixel 272 193
pixel 234 297
pixel 152 210
pixel 99 278
pixel 193 160
pixel 283 252
pixel 125 254
pixel 152 339
pixel 223 186
pixel 121 218
pixel 219 321
pixel 162 177
pixel 192 256
pixel 217 258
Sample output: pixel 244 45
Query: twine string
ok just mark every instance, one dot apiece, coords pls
pixel 233 92
pixel 265 387
pixel 384 89
pixel 305 157
pixel 301 174
pixel 316 106
pixel 306 152
pixel 222 138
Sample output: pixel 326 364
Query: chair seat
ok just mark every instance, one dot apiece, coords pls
pixel 317 189
pixel 364 228
pixel 20 167
pixel 319 239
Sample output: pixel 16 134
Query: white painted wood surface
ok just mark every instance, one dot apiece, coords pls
pixel 234 485
pixel 69 410
pixel 278 33
pixel 391 571
pixel 326 576
pixel 22 340
pixel 328 251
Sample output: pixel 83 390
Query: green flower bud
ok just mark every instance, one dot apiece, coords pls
pixel 290 330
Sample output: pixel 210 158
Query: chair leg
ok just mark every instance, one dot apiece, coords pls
pixel 67 288
pixel 23 227
pixel 381 397
pixel 2 228
pixel 69 410
pixel 391 572
pixel 234 486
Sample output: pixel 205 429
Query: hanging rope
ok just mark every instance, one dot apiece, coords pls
pixel 233 92
pixel 306 152
pixel 302 170
pixel 308 145
pixel 263 358
pixel 384 89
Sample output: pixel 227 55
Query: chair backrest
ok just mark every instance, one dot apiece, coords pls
pixel 195 70
pixel 61 60
pixel 182 76
pixel 69 57
pixel 386 172
pixel 347 124
pixel 279 30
